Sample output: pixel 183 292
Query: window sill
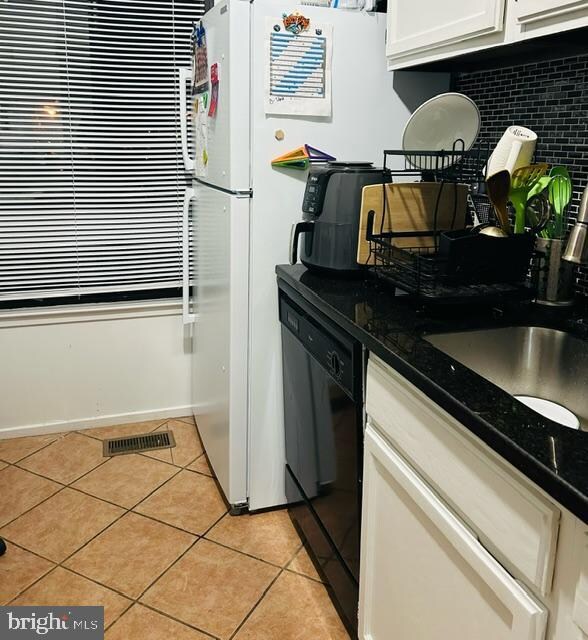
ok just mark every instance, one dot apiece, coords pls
pixel 90 312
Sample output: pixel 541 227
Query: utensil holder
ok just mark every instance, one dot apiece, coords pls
pixel 479 259
pixel 555 277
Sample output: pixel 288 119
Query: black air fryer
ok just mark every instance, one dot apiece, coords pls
pixel 331 208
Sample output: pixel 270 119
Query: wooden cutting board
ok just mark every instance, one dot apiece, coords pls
pixel 410 207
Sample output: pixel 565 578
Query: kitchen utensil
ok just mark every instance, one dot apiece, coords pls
pixel 559 170
pixel 498 186
pixel 537 213
pixel 437 124
pixel 577 247
pixel 480 208
pixel 560 194
pixel 515 149
pixel 539 186
pixel 521 182
pixel 410 207
pixel 493 232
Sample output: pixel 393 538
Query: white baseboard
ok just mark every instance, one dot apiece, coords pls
pixel 98 421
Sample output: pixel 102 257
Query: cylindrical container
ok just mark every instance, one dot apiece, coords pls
pixel 514 150
pixel 555 277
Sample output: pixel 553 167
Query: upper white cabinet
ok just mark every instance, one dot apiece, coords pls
pixel 540 17
pixel 424 575
pixel 423 31
pixel 422 25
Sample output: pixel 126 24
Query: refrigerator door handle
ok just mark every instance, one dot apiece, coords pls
pixel 297 229
pixel 187 316
pixel 185 74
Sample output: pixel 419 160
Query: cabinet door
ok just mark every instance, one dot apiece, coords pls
pixel 529 12
pixel 420 25
pixel 424 575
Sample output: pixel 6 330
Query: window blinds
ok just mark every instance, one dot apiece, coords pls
pixel 91 178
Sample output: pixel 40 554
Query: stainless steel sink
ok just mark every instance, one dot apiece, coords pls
pixel 526 361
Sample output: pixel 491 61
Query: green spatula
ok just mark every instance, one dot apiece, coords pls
pixel 560 194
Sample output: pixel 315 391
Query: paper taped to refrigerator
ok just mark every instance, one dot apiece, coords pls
pixel 298 69
pixel 201 135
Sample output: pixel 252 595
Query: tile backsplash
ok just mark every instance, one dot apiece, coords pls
pixel 549 97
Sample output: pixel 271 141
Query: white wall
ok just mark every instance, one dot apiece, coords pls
pixel 79 366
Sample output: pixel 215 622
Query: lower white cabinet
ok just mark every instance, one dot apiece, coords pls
pixel 424 574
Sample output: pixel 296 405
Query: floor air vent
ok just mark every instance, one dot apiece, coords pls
pixel 141 442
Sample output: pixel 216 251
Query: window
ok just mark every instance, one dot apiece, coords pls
pixel 91 177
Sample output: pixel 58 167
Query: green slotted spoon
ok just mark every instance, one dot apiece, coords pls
pixel 522 181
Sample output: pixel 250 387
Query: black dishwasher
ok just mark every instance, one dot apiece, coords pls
pixel 323 416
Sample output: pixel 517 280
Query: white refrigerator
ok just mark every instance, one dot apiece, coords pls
pixel 241 213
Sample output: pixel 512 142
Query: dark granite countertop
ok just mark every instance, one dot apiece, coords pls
pixel 553 456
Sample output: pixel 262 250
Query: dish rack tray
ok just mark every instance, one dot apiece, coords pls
pixel 430 273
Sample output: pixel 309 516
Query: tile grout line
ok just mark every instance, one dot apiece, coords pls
pixel 283 569
pixel 167 615
pixel 126 510
pixel 61 488
pixel 244 553
pixel 250 613
pixel 52 568
pixel 57 435
pixel 266 591
pixel 65 484
pixel 198 539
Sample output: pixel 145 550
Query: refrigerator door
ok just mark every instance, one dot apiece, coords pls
pixel 219 352
pixel 227 39
pixel 370 107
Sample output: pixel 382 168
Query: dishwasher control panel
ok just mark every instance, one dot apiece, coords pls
pixel 321 341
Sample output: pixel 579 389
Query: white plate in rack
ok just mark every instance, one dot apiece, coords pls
pixel 437 124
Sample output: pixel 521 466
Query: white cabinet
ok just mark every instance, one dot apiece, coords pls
pixel 456 543
pixel 421 25
pixel 424 31
pixel 513 520
pixel 424 575
pixel 541 17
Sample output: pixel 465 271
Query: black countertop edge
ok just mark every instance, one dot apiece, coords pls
pixel 571 495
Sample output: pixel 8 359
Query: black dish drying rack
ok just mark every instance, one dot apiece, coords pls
pixel 457 266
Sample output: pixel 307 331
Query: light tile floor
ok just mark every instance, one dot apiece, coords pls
pixel 148 537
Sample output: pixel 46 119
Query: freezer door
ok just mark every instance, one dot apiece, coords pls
pixel 219 353
pixel 227 38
